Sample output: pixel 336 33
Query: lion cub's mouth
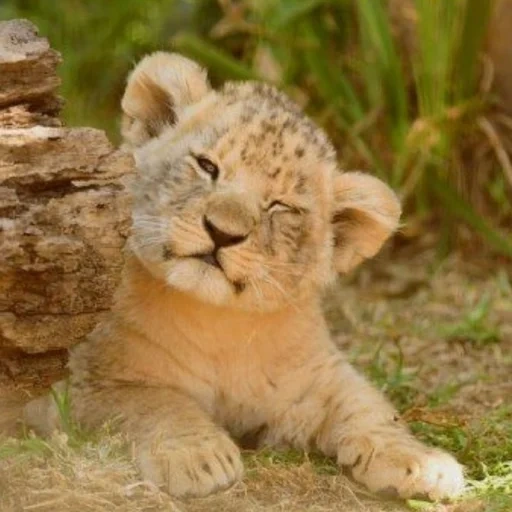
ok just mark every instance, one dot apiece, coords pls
pixel 212 260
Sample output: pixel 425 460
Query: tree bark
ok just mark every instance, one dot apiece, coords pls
pixel 64 205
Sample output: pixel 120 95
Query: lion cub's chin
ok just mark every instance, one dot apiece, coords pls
pixel 211 285
pixel 203 281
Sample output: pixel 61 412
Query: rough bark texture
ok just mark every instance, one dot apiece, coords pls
pixel 64 208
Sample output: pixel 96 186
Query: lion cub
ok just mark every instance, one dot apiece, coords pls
pixel 240 220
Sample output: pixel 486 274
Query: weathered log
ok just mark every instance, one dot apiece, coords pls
pixel 27 68
pixel 64 207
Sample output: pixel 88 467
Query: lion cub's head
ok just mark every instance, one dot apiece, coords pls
pixel 239 200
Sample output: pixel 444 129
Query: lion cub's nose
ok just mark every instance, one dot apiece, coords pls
pixel 219 237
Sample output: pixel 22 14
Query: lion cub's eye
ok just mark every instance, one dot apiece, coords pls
pixel 208 166
pixel 278 206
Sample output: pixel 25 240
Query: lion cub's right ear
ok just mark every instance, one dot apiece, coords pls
pixel 158 89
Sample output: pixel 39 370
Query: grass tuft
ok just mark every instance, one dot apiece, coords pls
pixel 391 376
pixel 268 457
pixel 474 326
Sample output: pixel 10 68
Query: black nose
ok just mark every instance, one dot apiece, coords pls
pixel 221 238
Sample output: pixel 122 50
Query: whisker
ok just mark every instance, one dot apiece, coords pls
pixel 284 271
pixel 277 287
pixel 257 289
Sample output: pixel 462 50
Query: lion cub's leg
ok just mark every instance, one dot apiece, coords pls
pixel 349 419
pixel 177 445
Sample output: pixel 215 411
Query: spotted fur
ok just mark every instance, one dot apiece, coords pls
pixel 240 220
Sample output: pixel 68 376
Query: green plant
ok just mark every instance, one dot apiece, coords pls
pixel 390 375
pixel 268 457
pixel 484 446
pixel 63 403
pixel 27 446
pixel 497 483
pixel 474 326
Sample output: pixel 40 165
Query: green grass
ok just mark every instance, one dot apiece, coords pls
pixel 485 449
pixel 495 489
pixel 71 434
pixel 483 445
pixel 388 372
pixel 268 457
pixel 26 446
pixel 474 326
pixel 62 400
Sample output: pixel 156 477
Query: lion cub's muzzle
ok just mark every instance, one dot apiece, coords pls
pixel 228 221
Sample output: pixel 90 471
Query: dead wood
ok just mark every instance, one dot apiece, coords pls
pixel 64 207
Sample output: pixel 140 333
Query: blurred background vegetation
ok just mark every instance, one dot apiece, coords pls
pixel 404 87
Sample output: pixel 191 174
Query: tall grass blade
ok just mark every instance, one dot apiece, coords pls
pixel 476 15
pixel 334 86
pixel 438 24
pixel 212 57
pixel 382 67
pixel 336 90
pixel 291 11
pixel 462 210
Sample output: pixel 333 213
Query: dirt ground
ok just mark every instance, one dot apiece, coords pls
pixel 437 338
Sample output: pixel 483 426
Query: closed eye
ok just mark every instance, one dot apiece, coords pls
pixel 280 207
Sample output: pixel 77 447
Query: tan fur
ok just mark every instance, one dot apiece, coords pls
pixel 195 352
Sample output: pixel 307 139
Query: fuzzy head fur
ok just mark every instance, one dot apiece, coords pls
pixel 239 201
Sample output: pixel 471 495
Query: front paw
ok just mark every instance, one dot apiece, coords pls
pixel 194 465
pixel 401 466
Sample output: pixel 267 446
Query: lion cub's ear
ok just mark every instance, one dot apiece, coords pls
pixel 366 212
pixel 158 89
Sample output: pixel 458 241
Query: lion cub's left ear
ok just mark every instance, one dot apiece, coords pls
pixel 366 212
pixel 158 89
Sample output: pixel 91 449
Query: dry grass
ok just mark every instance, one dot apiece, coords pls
pixel 437 339
pixel 100 476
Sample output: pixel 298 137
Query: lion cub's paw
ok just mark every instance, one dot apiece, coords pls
pixel 402 467
pixel 193 465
